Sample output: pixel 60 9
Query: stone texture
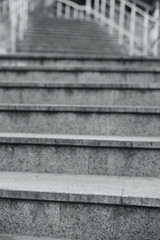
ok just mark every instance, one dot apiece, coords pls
pixel 31 218
pixel 13 237
pixel 109 74
pixel 80 94
pixel 83 120
pixel 73 59
pixel 80 155
pixel 141 193
pixel 20 215
pixel 63 188
pixel 79 221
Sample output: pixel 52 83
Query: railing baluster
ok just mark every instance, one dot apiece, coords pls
pixel 59 9
pixel 75 14
pixel 145 34
pixel 132 29
pixel 156 28
pixel 121 21
pixel 21 19
pixel 13 19
pixel 111 15
pixel 81 15
pixel 88 9
pixel 67 12
pixel 97 7
pixel 103 7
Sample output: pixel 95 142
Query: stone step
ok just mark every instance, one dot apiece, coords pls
pixel 71 33
pixel 75 154
pixel 53 50
pixel 75 37
pixel 84 120
pixel 81 74
pixel 13 237
pixel 79 207
pixel 58 24
pixel 51 47
pixel 72 41
pixel 79 60
pixel 73 45
pixel 69 93
pixel 81 34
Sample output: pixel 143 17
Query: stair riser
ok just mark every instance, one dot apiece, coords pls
pixel 104 97
pixel 49 35
pixel 117 124
pixel 69 159
pixel 118 77
pixel 77 63
pixel 78 221
pixel 50 47
pixel 84 51
pixel 70 33
pixel 69 45
pixel 74 44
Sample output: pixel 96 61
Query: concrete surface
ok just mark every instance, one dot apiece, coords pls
pixel 139 217
pixel 75 60
pixel 99 155
pixel 84 120
pixel 80 93
pixel 80 74
pixel 132 191
pixel 12 237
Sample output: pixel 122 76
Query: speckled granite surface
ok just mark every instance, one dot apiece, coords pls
pixel 109 74
pixel 83 120
pixel 78 218
pixel 121 156
pixel 13 237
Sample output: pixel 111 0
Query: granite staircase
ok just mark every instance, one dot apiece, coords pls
pixel 68 36
pixel 79 139
pixel 79 147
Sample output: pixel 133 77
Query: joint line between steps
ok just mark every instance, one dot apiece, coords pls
pixel 123 191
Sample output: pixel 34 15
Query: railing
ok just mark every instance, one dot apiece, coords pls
pixel 16 12
pixel 67 9
pixel 132 21
pixel 4 8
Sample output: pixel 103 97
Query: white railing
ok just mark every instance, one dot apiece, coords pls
pixel 16 12
pixel 4 8
pixel 130 19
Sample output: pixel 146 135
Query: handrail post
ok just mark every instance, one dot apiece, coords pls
pixel 103 7
pixel 145 34
pixel 132 29
pixel 121 21
pixel 97 6
pixel 111 15
pixel 88 9
pixel 13 19
pixel 156 27
pixel 67 12
pixel 59 9
pixel 21 18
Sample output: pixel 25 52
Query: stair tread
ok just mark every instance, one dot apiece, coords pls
pixel 80 108
pixel 129 69
pixel 78 57
pixel 14 237
pixel 74 85
pixel 135 191
pixel 81 140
